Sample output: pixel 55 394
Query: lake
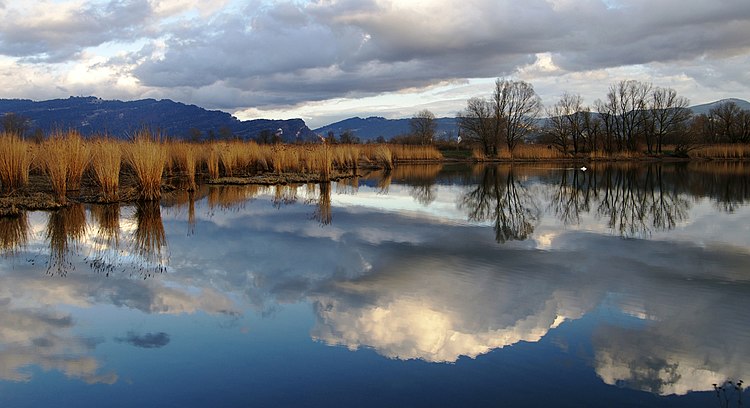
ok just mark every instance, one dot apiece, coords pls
pixel 530 285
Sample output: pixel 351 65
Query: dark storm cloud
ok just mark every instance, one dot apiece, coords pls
pixel 147 340
pixel 288 53
pixel 61 37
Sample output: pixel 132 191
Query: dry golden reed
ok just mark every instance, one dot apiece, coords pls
pixel 106 161
pixel 723 151
pixel 53 158
pixel 15 159
pixel 184 157
pixel 414 153
pixel 147 158
pixel 77 154
pixel 532 152
pixel 383 155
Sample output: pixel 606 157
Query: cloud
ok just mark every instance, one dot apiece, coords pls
pixel 285 55
pixel 44 338
pixel 56 32
pixel 146 340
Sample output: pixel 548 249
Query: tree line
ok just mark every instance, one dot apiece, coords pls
pixel 633 116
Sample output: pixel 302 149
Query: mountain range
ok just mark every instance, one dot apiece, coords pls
pixel 92 115
pixel 375 126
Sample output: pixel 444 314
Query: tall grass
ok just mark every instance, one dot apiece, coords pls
pixel 185 158
pixel 106 161
pixel 147 158
pixel 532 152
pixel 414 153
pixel 382 154
pixel 15 160
pixel 723 151
pixel 212 161
pixel 77 154
pixel 53 159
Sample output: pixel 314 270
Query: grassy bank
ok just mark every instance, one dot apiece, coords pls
pixel 66 166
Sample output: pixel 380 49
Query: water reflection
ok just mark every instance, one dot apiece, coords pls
pixel 65 228
pixel 37 337
pixel 660 312
pixel 323 210
pixel 502 199
pixel 14 233
pixel 150 239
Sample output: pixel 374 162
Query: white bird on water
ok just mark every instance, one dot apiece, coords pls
pixel 583 168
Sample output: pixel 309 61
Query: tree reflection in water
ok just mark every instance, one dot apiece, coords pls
pixel 500 198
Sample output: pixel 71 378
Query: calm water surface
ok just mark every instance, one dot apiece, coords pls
pixel 520 286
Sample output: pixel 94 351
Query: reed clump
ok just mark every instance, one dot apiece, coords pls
pixel 382 154
pixel 723 151
pixel 185 159
pixel 77 153
pixel 212 161
pixel 106 161
pixel 147 157
pixel 319 159
pixel 414 153
pixel 54 160
pixel 16 156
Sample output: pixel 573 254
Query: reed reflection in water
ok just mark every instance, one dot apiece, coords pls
pixel 107 239
pixel 14 233
pixel 65 228
pixel 150 239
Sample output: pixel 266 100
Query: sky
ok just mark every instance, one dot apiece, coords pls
pixel 326 60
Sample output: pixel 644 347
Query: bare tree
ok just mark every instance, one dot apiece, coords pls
pixel 423 126
pixel 669 114
pixel 16 124
pixel 729 119
pixel 476 124
pixel 607 119
pixel 515 106
pixel 567 122
pixel 626 105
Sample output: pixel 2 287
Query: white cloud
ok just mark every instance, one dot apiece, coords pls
pixel 283 57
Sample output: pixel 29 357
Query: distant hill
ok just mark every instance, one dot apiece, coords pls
pixel 706 107
pixel 373 127
pixel 91 115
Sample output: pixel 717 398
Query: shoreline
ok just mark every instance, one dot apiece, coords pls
pixel 37 195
